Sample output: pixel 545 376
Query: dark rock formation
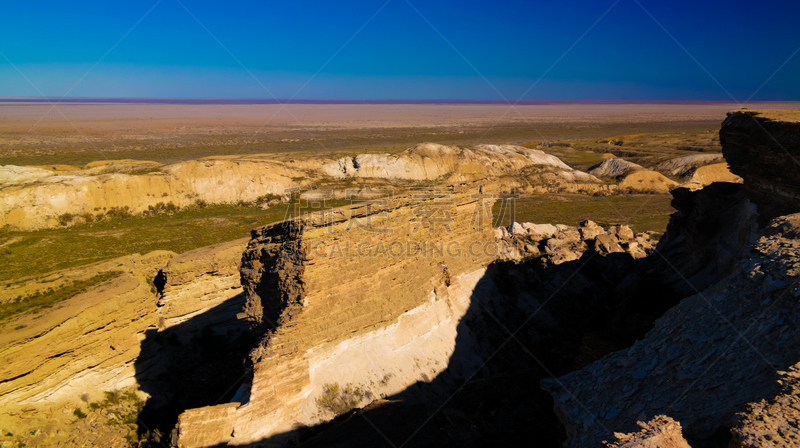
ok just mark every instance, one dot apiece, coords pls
pixel 707 236
pixel 763 147
pixel 724 347
pixel 705 359
pixel 271 273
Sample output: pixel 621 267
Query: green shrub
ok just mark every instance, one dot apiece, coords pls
pixel 78 413
pixel 161 208
pixel 119 212
pixel 65 219
pixel 337 400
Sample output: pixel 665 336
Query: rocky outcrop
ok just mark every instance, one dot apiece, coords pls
pixel 525 321
pixel 556 244
pixel 612 168
pixel 660 432
pixel 705 359
pixel 725 346
pixel 390 324
pixel 707 236
pixel 684 165
pixel 763 147
pixel 430 161
pixel 271 271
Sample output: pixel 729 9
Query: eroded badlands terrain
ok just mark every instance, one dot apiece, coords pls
pixel 413 318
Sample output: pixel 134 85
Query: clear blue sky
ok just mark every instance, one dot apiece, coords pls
pixel 495 51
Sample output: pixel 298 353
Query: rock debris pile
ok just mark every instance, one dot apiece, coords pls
pixel 556 244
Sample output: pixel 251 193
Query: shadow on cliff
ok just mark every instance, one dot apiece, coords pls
pixel 527 322
pixel 200 362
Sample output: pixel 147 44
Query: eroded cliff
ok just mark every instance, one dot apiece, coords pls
pixel 370 300
pixel 117 336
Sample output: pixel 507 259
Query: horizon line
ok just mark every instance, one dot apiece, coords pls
pixel 333 101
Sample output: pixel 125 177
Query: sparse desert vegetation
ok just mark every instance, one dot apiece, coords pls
pixel 641 212
pixel 49 297
pixel 43 251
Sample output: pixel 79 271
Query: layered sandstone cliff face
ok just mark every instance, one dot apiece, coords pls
pixel 430 161
pixel 199 280
pixel 102 340
pixel 390 324
pixel 728 344
pixel 35 201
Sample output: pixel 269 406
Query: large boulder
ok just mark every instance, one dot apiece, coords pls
pixel 589 230
pixel 763 147
pixel 543 230
pixel 516 229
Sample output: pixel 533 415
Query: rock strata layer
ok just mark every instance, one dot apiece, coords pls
pixel 100 341
pixel 391 324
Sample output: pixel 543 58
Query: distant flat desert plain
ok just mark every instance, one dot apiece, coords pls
pixel 77 133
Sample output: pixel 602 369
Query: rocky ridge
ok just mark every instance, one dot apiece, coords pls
pixel 705 359
pixel 36 197
pixel 104 186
